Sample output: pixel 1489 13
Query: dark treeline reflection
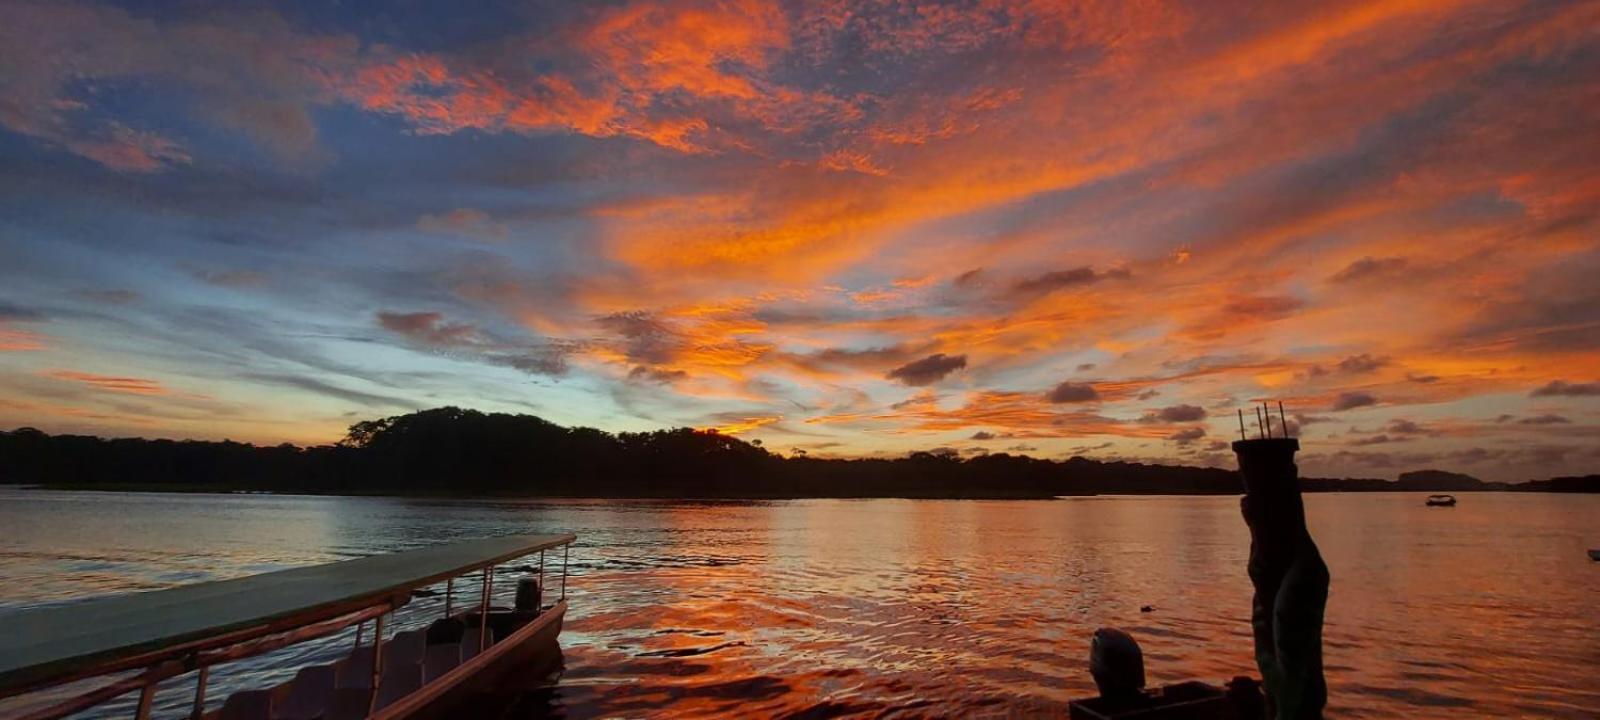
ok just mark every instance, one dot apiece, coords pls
pixel 455 451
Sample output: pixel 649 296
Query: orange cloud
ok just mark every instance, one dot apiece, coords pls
pixel 13 340
pixel 129 385
pixel 743 425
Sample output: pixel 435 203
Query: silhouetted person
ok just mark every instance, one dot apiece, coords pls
pixel 1290 579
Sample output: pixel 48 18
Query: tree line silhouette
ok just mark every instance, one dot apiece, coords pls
pixel 466 452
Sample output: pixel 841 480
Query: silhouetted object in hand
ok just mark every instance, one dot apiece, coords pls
pixel 1291 581
pixel 1117 664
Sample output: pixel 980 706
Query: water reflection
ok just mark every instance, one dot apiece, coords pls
pixel 915 608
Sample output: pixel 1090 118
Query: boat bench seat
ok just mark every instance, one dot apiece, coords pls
pixel 469 644
pixel 307 698
pixel 247 705
pixel 405 648
pixel 440 659
pixel 355 672
pixel 397 682
pixel 348 704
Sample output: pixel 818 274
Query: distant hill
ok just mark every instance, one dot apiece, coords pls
pixel 452 451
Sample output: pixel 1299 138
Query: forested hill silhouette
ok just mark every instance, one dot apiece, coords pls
pixel 455 451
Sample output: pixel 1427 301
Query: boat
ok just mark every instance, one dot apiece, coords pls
pixel 134 642
pixel 1441 501
pixel 1594 554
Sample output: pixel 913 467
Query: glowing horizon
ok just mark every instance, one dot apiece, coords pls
pixel 855 229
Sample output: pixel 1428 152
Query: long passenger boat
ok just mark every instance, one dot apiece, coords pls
pixel 134 642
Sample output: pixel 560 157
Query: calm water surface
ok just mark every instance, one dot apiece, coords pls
pixel 908 608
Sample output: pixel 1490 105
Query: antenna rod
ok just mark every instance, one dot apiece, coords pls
pixel 1283 419
pixel 1258 424
pixel 1267 412
pixel 1241 424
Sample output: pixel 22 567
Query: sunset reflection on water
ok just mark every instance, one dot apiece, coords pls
pixel 922 608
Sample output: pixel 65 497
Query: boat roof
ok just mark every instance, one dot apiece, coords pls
pixel 40 645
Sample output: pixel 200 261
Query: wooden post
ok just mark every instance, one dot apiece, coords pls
pixel 449 595
pixel 147 694
pixel 377 662
pixel 483 610
pixel 200 694
pixel 566 551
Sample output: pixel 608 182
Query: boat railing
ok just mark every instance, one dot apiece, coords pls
pixel 150 669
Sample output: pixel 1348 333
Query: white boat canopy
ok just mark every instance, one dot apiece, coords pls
pixel 49 645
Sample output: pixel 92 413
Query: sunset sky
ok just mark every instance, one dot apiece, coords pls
pixel 852 228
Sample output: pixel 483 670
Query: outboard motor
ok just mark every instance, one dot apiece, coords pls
pixel 1117 664
pixel 529 595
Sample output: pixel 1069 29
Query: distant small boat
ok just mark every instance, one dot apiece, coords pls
pixel 1594 554
pixel 1441 501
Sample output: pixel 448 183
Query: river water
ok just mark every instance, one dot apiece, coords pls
pixel 906 608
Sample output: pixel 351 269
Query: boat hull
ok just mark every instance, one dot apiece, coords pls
pixel 523 658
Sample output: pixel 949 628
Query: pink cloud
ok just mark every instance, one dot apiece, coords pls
pixel 110 383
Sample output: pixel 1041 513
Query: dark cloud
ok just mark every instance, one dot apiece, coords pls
pixel 428 328
pixel 1548 419
pixel 1352 400
pixel 1263 307
pixel 1562 388
pixel 1356 364
pixel 859 359
pixel 546 362
pixel 17 313
pixel 1085 367
pixel 969 278
pixel 646 338
pixel 1401 426
pixel 1424 379
pixel 921 398
pixel 1063 279
pixel 656 375
pixel 1557 309
pixel 1187 435
pixel 1379 439
pixel 1071 392
pixel 1369 268
pixel 983 435
pixel 928 370
pixel 1178 413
